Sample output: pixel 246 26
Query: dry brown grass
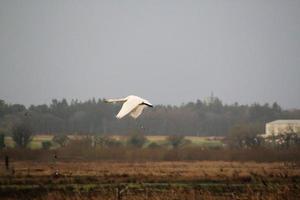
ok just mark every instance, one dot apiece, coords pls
pixel 81 150
pixel 83 172
pixel 150 180
pixel 170 171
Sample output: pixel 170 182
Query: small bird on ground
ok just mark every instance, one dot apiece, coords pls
pixel 132 105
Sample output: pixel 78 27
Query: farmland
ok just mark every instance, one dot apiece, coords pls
pixel 195 170
pixel 150 180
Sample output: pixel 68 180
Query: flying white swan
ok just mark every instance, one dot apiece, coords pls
pixel 132 105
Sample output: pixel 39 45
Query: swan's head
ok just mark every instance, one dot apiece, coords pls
pixel 147 103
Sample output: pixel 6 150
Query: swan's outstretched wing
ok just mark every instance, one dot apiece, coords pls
pixel 128 106
pixel 115 100
pixel 137 111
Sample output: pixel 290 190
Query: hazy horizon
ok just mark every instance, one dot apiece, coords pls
pixel 163 104
pixel 169 52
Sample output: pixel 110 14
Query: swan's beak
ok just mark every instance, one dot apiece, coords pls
pixel 147 104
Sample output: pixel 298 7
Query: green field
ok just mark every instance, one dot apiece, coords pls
pixel 36 142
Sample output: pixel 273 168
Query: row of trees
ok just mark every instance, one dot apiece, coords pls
pixel 239 137
pixel 96 117
pixel 22 136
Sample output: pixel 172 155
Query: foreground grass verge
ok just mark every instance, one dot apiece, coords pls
pixel 150 180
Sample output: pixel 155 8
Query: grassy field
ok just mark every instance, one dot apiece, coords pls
pixel 79 171
pixel 35 143
pixel 150 180
pixel 37 140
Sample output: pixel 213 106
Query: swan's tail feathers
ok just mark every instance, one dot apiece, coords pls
pixel 114 100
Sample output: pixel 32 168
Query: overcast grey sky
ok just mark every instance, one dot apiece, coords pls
pixel 169 52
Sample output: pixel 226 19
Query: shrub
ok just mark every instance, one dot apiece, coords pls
pixel 21 134
pixel 136 140
pixel 177 140
pixel 79 148
pixel 244 136
pixel 3 132
pixel 106 141
pixel 153 145
pixel 285 140
pixel 46 145
pixel 2 141
pixel 62 140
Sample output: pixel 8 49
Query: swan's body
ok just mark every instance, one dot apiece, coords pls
pixel 132 105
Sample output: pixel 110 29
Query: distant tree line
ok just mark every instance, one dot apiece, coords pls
pixel 96 117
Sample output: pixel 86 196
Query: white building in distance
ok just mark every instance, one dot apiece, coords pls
pixel 282 126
